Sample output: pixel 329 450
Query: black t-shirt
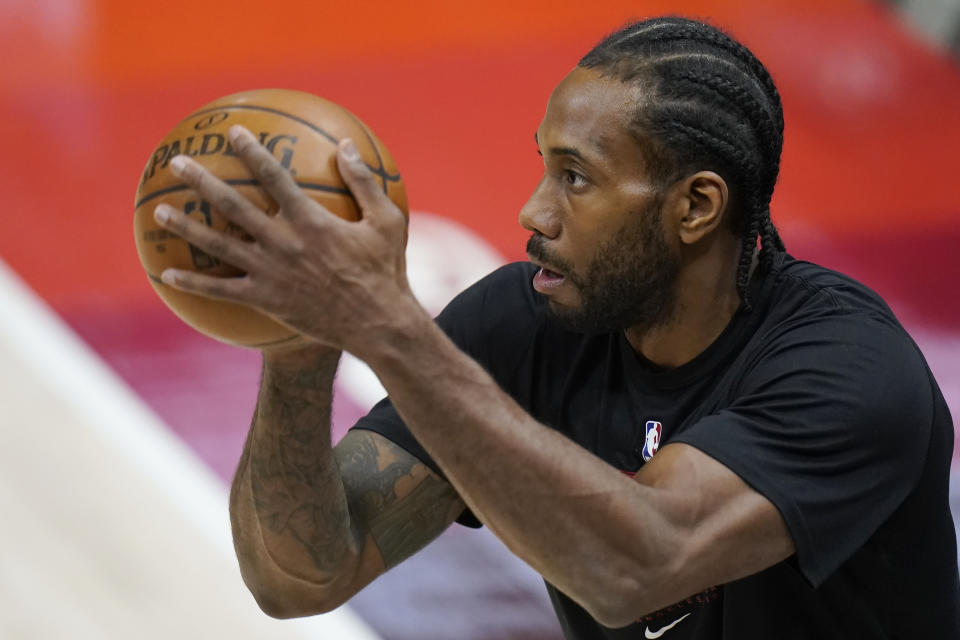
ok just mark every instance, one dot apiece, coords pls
pixel 817 398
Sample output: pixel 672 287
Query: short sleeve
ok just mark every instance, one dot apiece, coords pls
pixel 831 423
pixel 490 321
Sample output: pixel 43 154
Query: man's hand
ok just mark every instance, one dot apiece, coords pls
pixel 330 279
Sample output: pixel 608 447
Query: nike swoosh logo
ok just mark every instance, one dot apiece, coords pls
pixel 653 635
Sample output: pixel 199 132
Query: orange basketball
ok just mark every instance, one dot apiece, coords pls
pixel 301 131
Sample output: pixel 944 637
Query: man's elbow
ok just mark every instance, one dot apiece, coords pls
pixel 285 608
pixel 616 607
pixel 623 596
pixel 284 600
pixel 276 607
pixel 617 617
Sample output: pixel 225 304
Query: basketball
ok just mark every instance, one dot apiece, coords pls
pixel 301 130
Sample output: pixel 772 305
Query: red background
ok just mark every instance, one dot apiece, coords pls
pixel 456 90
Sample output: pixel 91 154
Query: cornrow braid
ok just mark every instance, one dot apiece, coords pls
pixel 737 97
pixel 685 29
pixel 707 103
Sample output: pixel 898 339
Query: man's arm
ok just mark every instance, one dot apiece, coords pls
pixel 312 525
pixel 621 547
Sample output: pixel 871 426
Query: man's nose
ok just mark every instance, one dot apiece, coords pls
pixel 539 215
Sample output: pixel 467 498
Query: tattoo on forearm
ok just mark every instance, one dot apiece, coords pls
pixel 330 501
pixel 406 527
pixel 394 496
pixel 296 486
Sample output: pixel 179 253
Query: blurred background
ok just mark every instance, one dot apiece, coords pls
pixel 121 426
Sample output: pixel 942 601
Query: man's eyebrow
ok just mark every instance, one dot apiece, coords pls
pixel 561 151
pixel 567 151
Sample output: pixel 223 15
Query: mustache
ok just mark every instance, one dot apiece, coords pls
pixel 537 249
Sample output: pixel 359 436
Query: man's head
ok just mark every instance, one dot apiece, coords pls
pixel 664 111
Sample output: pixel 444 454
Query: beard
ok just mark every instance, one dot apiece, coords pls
pixel 629 283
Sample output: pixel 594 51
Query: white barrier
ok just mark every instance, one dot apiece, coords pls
pixel 112 528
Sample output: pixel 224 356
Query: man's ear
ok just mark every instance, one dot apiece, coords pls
pixel 703 202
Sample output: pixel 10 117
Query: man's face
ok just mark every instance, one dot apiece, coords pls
pixel 596 215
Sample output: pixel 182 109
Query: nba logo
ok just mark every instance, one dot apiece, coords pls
pixel 652 440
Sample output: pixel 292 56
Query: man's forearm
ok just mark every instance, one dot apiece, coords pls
pixel 288 506
pixel 554 504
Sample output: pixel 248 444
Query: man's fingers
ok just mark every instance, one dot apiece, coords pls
pixel 363 184
pixel 231 289
pixel 225 200
pixel 273 177
pixel 223 247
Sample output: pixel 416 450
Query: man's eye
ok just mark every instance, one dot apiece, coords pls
pixel 574 179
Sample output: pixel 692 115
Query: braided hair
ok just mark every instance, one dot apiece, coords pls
pixel 708 103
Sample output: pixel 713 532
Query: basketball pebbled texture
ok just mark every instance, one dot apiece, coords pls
pixel 301 130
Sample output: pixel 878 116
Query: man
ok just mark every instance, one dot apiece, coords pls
pixel 776 497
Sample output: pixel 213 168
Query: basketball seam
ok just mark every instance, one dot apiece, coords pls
pixel 244 182
pixel 381 170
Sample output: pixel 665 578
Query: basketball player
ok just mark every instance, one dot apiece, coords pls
pixel 794 483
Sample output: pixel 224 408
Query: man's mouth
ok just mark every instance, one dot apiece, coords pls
pixel 548 278
pixel 545 280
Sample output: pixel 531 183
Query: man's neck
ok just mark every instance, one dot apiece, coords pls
pixel 706 301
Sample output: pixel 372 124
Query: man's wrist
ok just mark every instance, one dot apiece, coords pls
pixel 309 355
pixel 394 338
